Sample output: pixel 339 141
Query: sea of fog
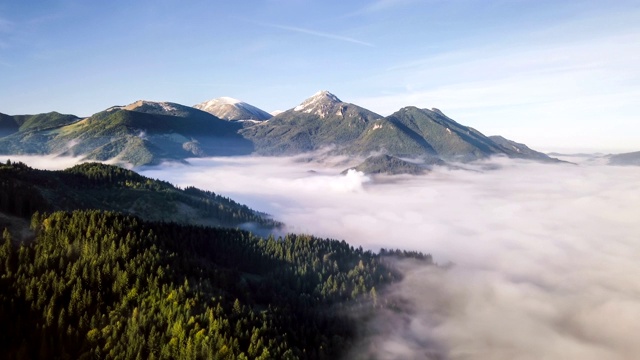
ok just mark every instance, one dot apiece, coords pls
pixel 546 256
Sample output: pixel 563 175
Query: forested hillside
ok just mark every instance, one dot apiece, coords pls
pixel 24 190
pixel 93 284
pixel 103 285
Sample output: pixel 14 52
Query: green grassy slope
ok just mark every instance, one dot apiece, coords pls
pixel 293 132
pixel 143 135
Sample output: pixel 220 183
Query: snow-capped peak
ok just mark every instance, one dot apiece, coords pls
pixel 158 106
pixel 230 100
pixel 229 108
pixel 325 94
pixel 318 103
pixel 225 100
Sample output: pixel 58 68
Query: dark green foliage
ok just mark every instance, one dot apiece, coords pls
pixel 103 285
pixel 20 198
pixel 107 187
pixel 406 254
pixel 391 165
pixel 96 284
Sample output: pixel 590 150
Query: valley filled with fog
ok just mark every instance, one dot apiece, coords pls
pixel 536 260
pixel 545 255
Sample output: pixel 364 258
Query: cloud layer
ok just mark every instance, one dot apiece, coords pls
pixel 546 256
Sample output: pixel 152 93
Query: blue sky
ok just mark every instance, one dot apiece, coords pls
pixel 556 75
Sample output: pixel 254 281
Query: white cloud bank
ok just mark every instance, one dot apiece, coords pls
pixel 546 255
pixel 48 162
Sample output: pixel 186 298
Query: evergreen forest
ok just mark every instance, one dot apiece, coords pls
pixel 100 284
pixel 24 190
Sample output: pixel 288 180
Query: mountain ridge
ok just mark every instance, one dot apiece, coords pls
pixel 141 133
pixel 628 159
pixel 231 109
pixel 148 133
pixel 322 120
pixel 111 188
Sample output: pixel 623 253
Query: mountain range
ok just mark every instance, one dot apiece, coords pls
pixel 148 133
pixel 142 133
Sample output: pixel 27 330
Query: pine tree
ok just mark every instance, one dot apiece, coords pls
pixel 6 253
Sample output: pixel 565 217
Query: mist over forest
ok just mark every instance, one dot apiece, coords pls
pixel 535 260
pixel 545 255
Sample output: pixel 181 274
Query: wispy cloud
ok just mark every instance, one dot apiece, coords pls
pixel 317 33
pixel 377 7
pixel 381 5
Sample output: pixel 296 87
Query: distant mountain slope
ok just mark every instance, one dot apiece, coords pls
pixel 413 132
pixel 106 187
pixel 8 125
pixel 324 121
pixel 141 133
pixel 632 158
pixel 227 108
pixel 320 121
pixel 44 121
pixel 390 165
pixel 33 132
pixel 147 133
pixel 518 150
pixel 13 124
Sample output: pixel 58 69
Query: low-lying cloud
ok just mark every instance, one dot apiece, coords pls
pixel 546 256
pixel 45 162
